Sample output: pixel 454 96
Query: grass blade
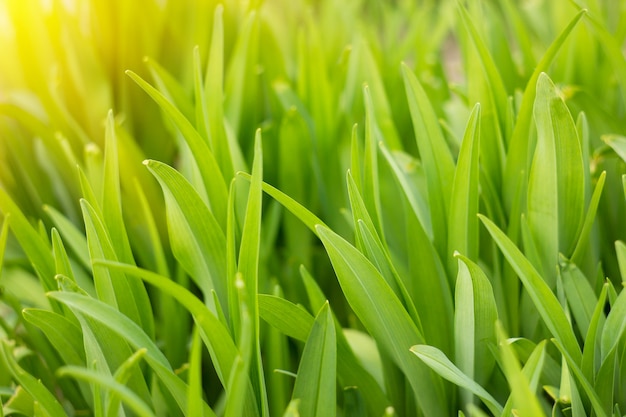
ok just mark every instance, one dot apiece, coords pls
pixel 49 404
pixel 212 177
pixel 524 399
pixel 435 155
pixel 544 300
pixel 376 306
pixel 197 239
pixel 315 384
pixel 437 361
pixel 556 194
pixel 462 220
pixel 130 398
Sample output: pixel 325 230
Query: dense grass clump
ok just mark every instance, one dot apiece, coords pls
pixel 312 208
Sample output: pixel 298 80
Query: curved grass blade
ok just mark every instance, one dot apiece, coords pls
pixel 297 209
pixel 212 177
pixel 416 201
pixel 350 370
pixel 315 385
pixel 376 306
pixel 439 363
pixel 122 374
pixel 111 287
pixel 197 240
pixel 129 397
pixel 216 336
pixel 64 335
pixel 288 318
pixel 49 404
pixel 544 300
pixel 435 155
pixel 73 236
pixel 126 328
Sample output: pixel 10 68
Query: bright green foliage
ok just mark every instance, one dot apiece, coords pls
pixel 312 208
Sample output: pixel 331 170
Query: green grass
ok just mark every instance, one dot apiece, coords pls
pixel 351 208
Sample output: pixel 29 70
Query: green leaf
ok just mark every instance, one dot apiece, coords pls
pixel 544 300
pixel 111 195
pixel 126 328
pixel 197 240
pixel 580 296
pixel 73 236
pixel 212 177
pixel 290 319
pixel 525 401
pixel 590 355
pixel 237 384
pixel 462 220
pixel 438 361
pixel 585 233
pixel 34 387
pixel 353 403
pixel 351 371
pixel 615 324
pixel 486 87
pixel 216 336
pixel 214 96
pixel 126 293
pixel 315 385
pixel 376 306
pixel 297 209
pixel 194 393
pixel 534 366
pixel 129 397
pixel 435 155
pixel 64 335
pixel 556 194
pixel 248 267
pixel 35 248
pixel 122 374
pixel 518 159
pixel 584 383
pixel 475 317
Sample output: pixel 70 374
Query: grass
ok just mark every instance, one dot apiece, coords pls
pixel 350 208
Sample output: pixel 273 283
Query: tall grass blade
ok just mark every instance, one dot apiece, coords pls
pixel 315 384
pixel 544 300
pixel 367 293
pixel 197 239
